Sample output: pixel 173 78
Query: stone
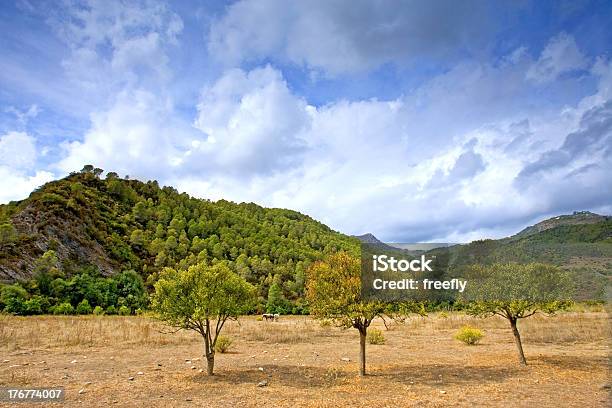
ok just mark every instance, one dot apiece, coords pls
pixel 263 383
pixel 346 359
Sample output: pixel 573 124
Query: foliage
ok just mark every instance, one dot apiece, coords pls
pixel 8 234
pixel 516 291
pixel 13 298
pixel 85 290
pixel 83 307
pixel 469 335
pixel 334 292
pixel 124 311
pixel 202 299
pixel 376 336
pixel 276 301
pixel 98 310
pixel 223 344
pixel 144 227
pixel 63 309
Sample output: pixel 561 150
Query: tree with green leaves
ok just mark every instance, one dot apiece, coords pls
pixel 334 292
pixel 517 291
pixel 202 299
pixel 8 234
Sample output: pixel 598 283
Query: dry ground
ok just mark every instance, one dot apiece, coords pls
pixel 420 364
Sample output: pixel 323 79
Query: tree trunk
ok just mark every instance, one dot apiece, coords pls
pixel 517 339
pixel 210 363
pixel 362 351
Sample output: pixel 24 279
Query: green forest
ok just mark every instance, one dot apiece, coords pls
pixel 87 243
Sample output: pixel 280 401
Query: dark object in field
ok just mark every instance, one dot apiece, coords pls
pixel 270 316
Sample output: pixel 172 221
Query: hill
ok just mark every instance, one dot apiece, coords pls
pixel 114 224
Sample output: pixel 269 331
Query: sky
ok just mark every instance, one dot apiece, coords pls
pixel 416 121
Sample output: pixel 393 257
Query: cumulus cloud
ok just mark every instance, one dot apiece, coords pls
pixel 138 135
pixel 17 150
pixel 348 36
pixel 391 167
pixel 560 55
pixel 252 122
pixel 17 158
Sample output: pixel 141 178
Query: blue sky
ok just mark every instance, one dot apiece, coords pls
pixel 416 121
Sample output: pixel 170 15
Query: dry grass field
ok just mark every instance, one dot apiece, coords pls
pixel 304 363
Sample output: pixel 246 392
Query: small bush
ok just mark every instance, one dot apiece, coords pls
pixel 376 336
pixel 223 344
pixel 98 311
pixel 443 315
pixel 111 310
pixel 124 311
pixel 63 309
pixel 259 318
pixel 83 307
pixel 325 323
pixel 469 335
pixel 35 305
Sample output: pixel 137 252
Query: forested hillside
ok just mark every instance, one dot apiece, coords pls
pixel 580 243
pixel 107 225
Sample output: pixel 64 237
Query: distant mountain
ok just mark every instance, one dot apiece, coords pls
pixel 368 239
pixel 580 243
pixel 577 218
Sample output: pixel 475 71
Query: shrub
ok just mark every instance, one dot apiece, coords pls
pixel 469 335
pixel 83 307
pixel 124 311
pixel 376 336
pixel 98 311
pixel 325 323
pixel 35 305
pixel 63 309
pixel 111 310
pixel 443 315
pixel 223 344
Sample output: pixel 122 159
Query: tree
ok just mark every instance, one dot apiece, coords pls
pixel 88 168
pixel 334 291
pixel 202 299
pixel 517 291
pixel 45 270
pixel 276 301
pixel 8 234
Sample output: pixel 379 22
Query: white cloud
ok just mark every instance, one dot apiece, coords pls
pixel 17 159
pixel 17 150
pixel 116 43
pixel 252 121
pixel 560 55
pixel 17 186
pixel 437 163
pixel 138 135
pixel 347 36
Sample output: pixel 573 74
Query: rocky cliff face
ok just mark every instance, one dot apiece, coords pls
pixel 40 230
